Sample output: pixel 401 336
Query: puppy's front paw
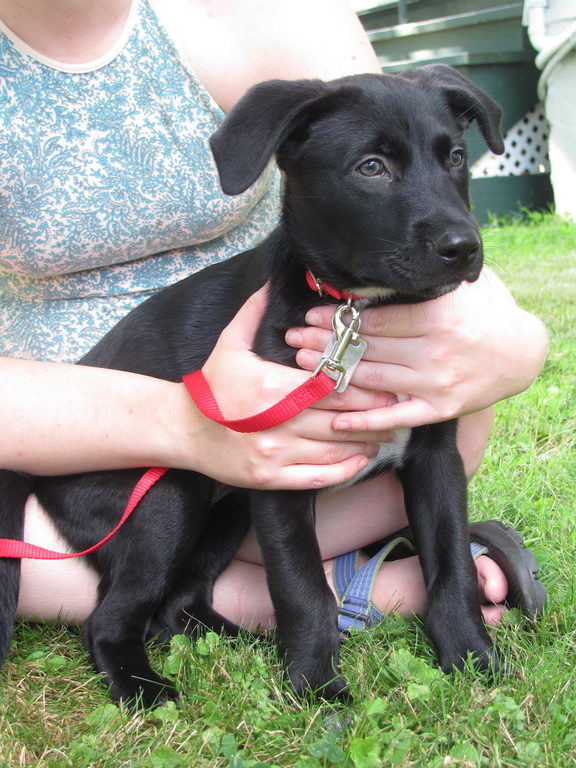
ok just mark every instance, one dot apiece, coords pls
pixel 310 645
pixel 464 641
pixel 313 668
pixel 329 685
pixel 144 694
pixel 484 660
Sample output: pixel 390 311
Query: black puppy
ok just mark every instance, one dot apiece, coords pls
pixel 376 202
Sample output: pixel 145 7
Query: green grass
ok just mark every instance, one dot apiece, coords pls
pixel 55 713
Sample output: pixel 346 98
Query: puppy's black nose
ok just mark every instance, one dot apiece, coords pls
pixel 460 249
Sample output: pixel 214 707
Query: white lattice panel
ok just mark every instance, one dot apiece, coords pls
pixel 526 150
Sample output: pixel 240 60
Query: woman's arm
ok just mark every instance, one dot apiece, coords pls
pixel 234 44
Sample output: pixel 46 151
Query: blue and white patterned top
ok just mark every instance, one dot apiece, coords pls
pixel 108 190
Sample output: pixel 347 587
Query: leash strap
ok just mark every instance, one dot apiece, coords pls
pixel 14 548
pixel 294 403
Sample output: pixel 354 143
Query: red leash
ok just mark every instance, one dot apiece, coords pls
pixel 294 403
pixel 14 548
pixel 315 388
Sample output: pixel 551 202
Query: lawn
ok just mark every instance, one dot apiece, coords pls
pixel 235 712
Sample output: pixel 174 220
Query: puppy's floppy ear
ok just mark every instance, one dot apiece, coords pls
pixel 256 127
pixel 466 100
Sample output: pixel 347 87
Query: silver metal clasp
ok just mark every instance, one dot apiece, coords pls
pixel 345 349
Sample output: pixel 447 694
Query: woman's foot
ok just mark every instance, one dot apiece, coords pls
pixel 493 587
pixel 242 596
pixel 391 580
pixel 399 586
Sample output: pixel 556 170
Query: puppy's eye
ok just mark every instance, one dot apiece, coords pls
pixel 372 167
pixel 456 158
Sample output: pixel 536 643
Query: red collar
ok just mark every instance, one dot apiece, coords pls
pixel 325 289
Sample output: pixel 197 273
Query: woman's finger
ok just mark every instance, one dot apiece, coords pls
pixel 304 477
pixel 408 413
pixel 379 382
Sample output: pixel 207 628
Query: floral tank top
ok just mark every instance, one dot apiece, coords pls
pixel 108 189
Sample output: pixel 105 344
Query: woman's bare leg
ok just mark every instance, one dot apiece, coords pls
pixel 66 590
pixel 242 596
pixel 54 590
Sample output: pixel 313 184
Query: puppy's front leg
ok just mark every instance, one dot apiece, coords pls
pixel 304 604
pixel 435 494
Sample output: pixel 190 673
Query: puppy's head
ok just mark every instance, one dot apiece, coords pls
pixel 376 192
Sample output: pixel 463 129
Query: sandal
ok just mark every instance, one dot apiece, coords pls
pixel 501 543
pixel 505 546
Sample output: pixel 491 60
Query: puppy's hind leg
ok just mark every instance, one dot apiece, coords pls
pixel 14 491
pixel 114 636
pixel 141 566
pixel 189 608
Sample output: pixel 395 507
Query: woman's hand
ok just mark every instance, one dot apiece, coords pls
pixel 454 355
pixel 57 418
pixel 304 452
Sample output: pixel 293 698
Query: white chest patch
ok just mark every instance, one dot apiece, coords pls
pixel 389 454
